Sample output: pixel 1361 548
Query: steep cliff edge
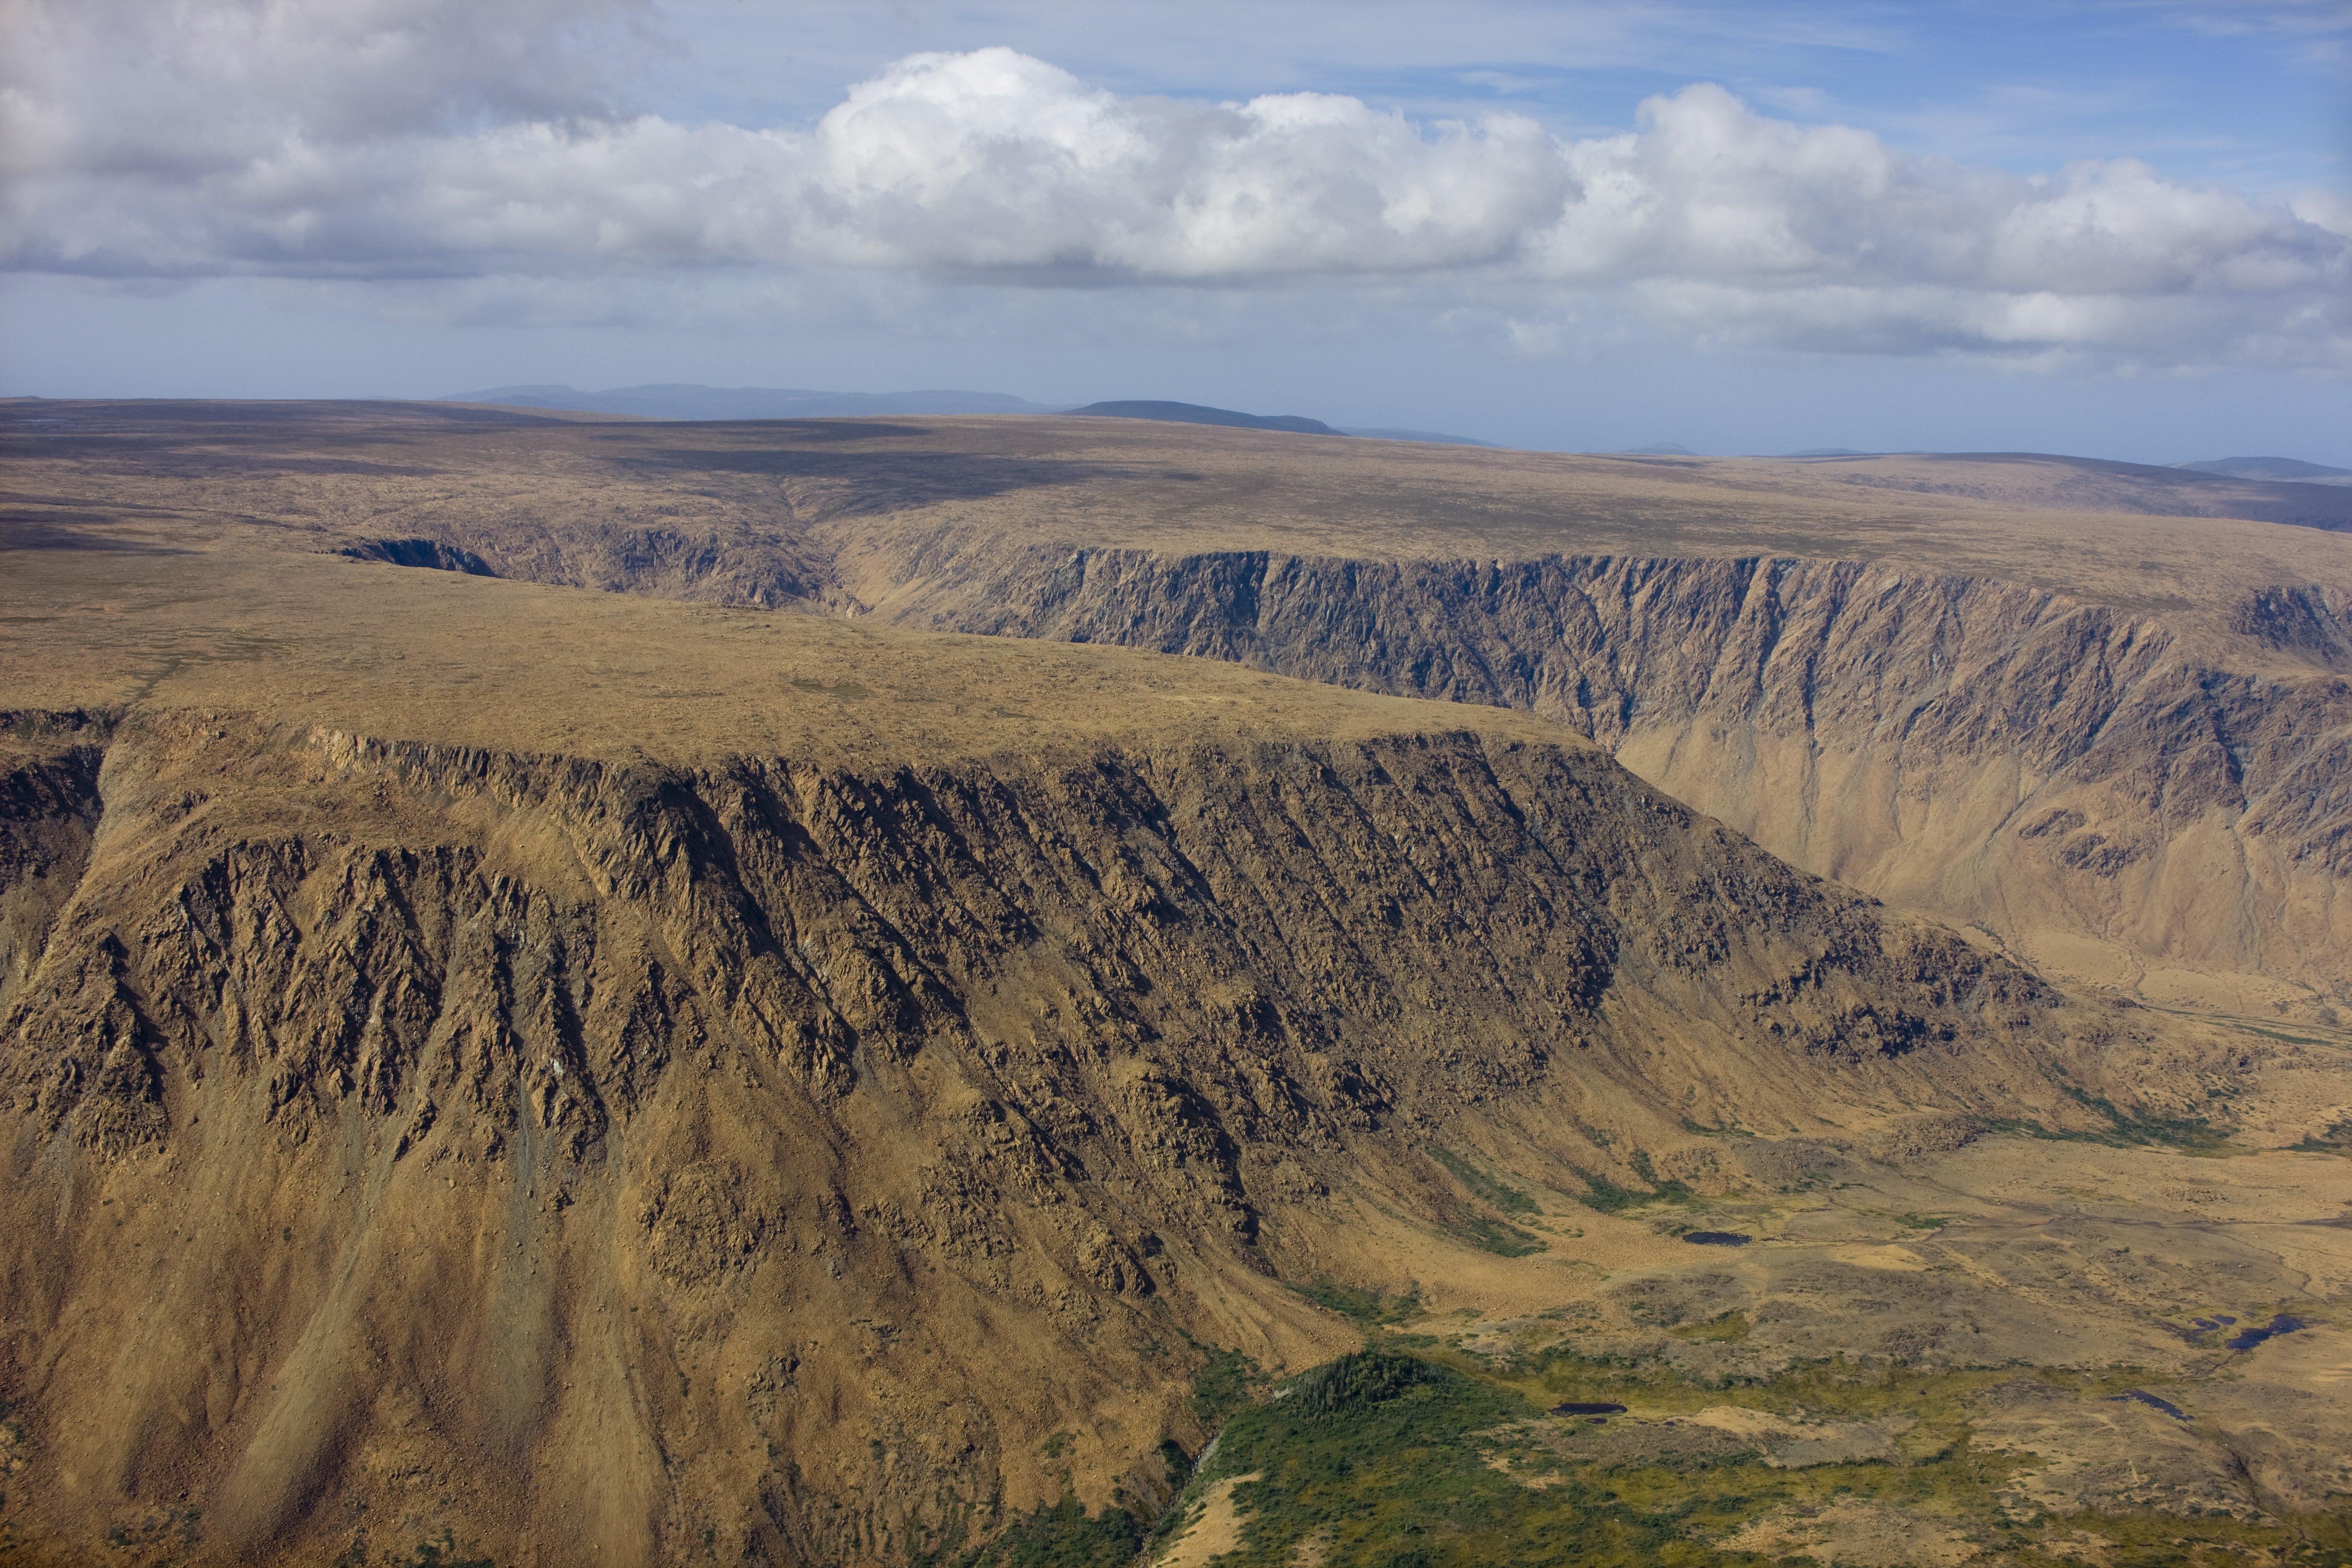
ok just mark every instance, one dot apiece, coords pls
pixel 762 1157
pixel 2115 742
pixel 2122 801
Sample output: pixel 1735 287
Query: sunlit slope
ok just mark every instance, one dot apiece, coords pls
pixel 552 1066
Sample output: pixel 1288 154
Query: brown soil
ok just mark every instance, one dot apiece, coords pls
pixel 1216 1531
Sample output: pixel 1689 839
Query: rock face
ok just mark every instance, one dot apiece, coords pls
pixel 629 1163
pixel 2086 784
pixel 1865 663
pixel 2120 799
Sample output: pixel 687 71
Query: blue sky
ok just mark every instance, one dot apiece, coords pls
pixel 2120 229
pixel 2251 95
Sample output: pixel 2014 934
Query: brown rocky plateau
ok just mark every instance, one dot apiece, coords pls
pixel 622 992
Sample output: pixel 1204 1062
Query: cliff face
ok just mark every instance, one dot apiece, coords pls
pixel 49 810
pixel 2084 783
pixel 756 1159
pixel 2118 741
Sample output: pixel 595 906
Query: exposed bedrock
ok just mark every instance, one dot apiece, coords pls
pixel 2116 801
pixel 763 1157
pixel 725 562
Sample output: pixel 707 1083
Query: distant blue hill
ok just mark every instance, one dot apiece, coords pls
pixel 676 400
pixel 1200 414
pixel 1195 414
pixel 1383 434
pixel 681 401
pixel 2290 468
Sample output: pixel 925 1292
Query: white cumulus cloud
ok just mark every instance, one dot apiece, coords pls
pixel 423 139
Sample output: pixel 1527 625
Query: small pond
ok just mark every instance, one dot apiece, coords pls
pixel 2281 1324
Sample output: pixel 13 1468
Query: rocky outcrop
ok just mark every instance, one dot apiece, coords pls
pixel 48 811
pixel 723 560
pixel 1908 732
pixel 431 555
pixel 1914 734
pixel 1902 728
pixel 763 1158
pixel 2299 618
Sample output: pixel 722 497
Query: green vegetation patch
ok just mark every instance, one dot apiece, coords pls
pixel 1063 1535
pixel 1404 1454
pixel 1605 1196
pixel 1369 1308
pixel 1224 1386
pixel 2336 1139
pixel 1729 1329
pixel 2171 1541
pixel 1495 1235
pixel 2190 1134
pixel 1486 1188
pixel 2285 1035
pixel 1374 1448
pixel 1488 1232
pixel 2129 1130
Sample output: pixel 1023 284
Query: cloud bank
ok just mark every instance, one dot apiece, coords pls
pixel 414 140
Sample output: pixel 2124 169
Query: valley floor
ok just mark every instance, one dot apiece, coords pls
pixel 2021 1350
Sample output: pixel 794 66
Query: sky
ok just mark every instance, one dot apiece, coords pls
pixel 2120 229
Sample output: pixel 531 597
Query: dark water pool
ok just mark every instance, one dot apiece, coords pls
pixel 1588 1407
pixel 2281 1324
pixel 2216 1322
pixel 1717 1238
pixel 2151 1400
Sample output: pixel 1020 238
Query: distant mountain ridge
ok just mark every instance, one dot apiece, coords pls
pixel 682 400
pixel 1200 414
pixel 1298 424
pixel 1381 433
pixel 2292 469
